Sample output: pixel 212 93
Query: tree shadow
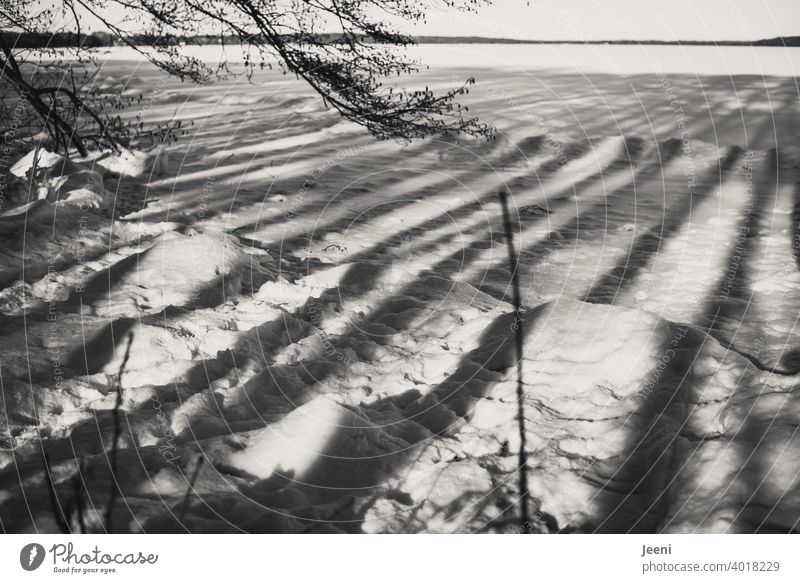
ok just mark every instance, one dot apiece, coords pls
pixel 480 167
pixel 344 485
pixel 438 269
pixel 767 427
pixel 95 354
pixel 456 398
pixel 647 245
pixel 585 226
pixel 796 225
pixel 398 309
pixel 636 496
pixel 727 308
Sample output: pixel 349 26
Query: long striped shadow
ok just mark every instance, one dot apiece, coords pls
pixel 575 229
pixel 647 245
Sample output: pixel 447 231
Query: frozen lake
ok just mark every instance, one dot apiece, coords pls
pixel 618 59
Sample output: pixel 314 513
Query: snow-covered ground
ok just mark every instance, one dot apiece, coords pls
pixel 325 320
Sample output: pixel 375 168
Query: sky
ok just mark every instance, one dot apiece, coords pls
pixel 709 20
pixel 623 19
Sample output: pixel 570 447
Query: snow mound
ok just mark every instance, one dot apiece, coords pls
pixel 136 163
pixel 36 158
pixel 636 423
pixel 322 444
pixel 177 270
pixel 61 180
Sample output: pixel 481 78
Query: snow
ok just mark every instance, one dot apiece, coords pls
pixel 330 328
pixel 178 270
pixel 135 163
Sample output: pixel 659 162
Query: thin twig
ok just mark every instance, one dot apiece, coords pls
pixel 189 490
pixel 61 515
pixel 77 503
pixel 519 338
pixel 115 441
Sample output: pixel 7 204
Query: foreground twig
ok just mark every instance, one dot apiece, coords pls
pixel 78 488
pixel 115 441
pixel 519 336
pixel 189 490
pixel 61 515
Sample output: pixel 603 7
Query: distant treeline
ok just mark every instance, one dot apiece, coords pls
pixel 104 39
